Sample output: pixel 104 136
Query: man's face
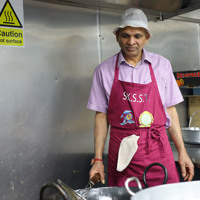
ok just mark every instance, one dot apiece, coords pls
pixel 132 40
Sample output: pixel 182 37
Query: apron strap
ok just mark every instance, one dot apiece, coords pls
pixel 116 69
pixel 152 73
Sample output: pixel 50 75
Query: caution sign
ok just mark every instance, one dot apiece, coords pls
pixel 11 23
pixel 8 16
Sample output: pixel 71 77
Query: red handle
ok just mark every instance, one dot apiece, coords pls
pixel 95 178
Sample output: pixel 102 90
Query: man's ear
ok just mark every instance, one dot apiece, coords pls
pixel 117 35
pixel 147 35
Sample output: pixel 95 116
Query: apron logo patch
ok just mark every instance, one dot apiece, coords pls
pixel 146 119
pixel 127 115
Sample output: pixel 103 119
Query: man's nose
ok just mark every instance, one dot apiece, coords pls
pixel 131 41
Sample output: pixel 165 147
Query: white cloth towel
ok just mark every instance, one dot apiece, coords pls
pixel 127 150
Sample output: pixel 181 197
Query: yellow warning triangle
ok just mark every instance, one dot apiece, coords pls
pixel 8 16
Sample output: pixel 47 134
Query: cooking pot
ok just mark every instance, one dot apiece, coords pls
pixel 191 135
pixel 174 191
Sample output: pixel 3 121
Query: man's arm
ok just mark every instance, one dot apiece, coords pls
pixel 187 167
pixel 100 135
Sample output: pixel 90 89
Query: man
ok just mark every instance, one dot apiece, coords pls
pixel 135 93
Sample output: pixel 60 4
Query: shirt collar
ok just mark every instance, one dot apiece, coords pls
pixel 145 57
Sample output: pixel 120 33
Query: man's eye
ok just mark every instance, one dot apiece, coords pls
pixel 125 35
pixel 138 36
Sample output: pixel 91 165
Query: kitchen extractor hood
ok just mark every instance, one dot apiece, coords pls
pixel 155 9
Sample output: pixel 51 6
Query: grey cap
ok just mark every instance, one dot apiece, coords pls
pixel 133 17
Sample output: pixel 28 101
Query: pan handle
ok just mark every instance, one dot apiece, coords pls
pixel 52 185
pixel 151 165
pixel 95 179
pixel 128 180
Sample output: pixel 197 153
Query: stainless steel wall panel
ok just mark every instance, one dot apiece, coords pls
pixel 108 22
pixel 155 8
pixel 177 41
pixel 45 127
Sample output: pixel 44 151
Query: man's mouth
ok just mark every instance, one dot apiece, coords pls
pixel 131 48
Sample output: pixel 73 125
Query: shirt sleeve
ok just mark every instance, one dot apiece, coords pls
pixel 97 98
pixel 172 91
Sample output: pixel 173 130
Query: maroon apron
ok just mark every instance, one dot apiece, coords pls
pixel 137 109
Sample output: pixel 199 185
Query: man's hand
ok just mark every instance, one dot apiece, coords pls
pixel 187 167
pixel 98 168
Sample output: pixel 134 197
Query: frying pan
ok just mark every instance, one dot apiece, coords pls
pixel 67 192
pixel 100 193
